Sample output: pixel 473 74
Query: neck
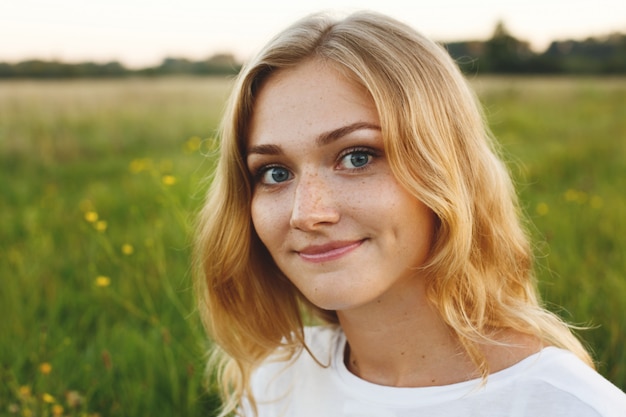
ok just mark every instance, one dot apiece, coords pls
pixel 401 340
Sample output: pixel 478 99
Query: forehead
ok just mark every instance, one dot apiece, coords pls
pixel 306 100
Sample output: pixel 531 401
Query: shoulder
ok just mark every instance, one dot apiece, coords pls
pixel 558 374
pixel 278 373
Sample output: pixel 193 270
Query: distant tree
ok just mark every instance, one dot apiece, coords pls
pixel 467 54
pixel 224 62
pixel 7 70
pixel 592 55
pixel 617 61
pixel 220 64
pixel 502 53
pixel 506 54
pixel 35 68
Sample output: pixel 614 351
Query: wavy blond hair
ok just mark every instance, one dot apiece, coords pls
pixel 480 275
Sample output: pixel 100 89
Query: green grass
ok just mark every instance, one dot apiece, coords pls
pixel 98 184
pixel 566 143
pixel 100 179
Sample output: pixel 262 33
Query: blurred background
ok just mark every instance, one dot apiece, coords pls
pixel 108 117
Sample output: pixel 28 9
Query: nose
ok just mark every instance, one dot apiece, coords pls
pixel 314 204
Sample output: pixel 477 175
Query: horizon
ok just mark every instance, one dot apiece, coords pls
pixel 140 34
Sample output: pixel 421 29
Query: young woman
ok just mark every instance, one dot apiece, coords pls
pixel 357 186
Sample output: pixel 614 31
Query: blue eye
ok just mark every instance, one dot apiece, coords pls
pixel 356 159
pixel 275 175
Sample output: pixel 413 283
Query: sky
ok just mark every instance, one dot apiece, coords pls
pixel 141 33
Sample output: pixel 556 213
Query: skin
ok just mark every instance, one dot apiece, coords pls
pixel 345 232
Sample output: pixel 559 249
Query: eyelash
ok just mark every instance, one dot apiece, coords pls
pixel 364 150
pixel 261 171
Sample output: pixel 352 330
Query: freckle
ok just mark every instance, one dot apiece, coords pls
pixel 423 356
pixel 401 353
pixel 433 381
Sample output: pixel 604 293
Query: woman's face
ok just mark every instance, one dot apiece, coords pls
pixel 325 202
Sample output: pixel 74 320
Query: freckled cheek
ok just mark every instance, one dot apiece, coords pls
pixel 375 198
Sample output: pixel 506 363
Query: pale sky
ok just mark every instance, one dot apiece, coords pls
pixel 141 33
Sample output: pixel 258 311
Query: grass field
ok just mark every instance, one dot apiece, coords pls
pixel 98 184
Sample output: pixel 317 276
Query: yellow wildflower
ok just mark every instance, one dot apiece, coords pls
pixel 193 144
pixel 139 164
pixel 101 226
pixel 542 209
pixel 57 410
pixel 103 281
pixel 25 391
pixel 47 398
pixel 576 196
pixel 596 202
pixel 45 368
pixel 168 180
pixel 91 216
pixel 571 195
pixel 127 249
pixel 135 166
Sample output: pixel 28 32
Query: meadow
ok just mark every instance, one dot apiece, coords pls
pixel 99 182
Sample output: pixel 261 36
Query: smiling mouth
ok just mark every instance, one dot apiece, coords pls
pixel 328 252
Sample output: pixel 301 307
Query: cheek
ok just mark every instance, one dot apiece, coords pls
pixel 267 218
pixel 412 220
pixel 258 218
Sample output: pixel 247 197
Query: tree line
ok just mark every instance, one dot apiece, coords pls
pixel 505 54
pixel 501 54
pixel 220 64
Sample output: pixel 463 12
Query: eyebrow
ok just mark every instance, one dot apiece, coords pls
pixel 323 139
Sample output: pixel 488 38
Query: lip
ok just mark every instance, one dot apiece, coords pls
pixel 329 251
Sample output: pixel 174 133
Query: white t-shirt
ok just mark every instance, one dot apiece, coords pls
pixel 551 383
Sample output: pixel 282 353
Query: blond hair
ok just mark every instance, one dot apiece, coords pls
pixel 480 274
